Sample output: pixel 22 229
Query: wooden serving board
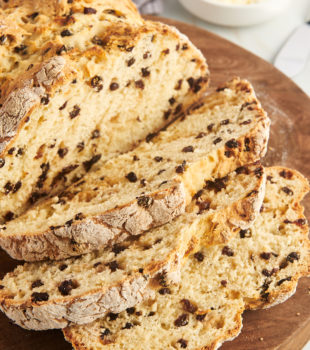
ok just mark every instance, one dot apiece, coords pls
pixel 284 327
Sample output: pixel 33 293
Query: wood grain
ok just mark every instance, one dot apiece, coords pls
pixel 289 109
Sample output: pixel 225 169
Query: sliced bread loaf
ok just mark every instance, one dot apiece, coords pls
pixel 81 82
pixel 147 187
pixel 258 268
pixel 79 290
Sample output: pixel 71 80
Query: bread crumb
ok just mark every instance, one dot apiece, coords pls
pixel 298 314
pixel 261 338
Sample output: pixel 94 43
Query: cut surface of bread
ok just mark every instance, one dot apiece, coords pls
pixel 80 83
pixel 258 268
pixel 79 290
pixel 149 186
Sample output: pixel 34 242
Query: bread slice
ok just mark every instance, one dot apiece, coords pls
pixel 258 268
pixel 83 81
pixel 79 290
pixel 147 187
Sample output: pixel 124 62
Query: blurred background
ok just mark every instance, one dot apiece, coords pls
pixel 263 39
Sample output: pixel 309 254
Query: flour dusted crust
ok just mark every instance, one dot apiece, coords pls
pixel 174 165
pixel 258 268
pixel 91 67
pixel 136 264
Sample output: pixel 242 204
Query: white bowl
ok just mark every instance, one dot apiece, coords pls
pixel 235 15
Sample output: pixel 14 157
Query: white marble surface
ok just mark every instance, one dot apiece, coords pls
pixel 264 40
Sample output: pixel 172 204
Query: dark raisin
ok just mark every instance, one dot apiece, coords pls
pixel 265 256
pixel 89 163
pixel 224 122
pixel 33 15
pixel 198 194
pixel 181 168
pixel 113 265
pixel 80 146
pixel 112 316
pixel 139 84
pixel 158 159
pixel 188 306
pixel 63 267
pixel 217 140
pixel 117 249
pixel 201 135
pixel 37 297
pixel 164 291
pixel 61 49
pixel 11 150
pixel 183 343
pixel 287 190
pixel 284 280
pixel 95 134
pixel 128 325
pixel 151 313
pixel 246 122
pixel 130 310
pixel 36 284
pixel 1 286
pixel 199 256
pixel 145 201
pixel 292 257
pixel 224 283
pixel 20 152
pixel 21 49
pixel 131 177
pixel 66 287
pixel 8 187
pixel 179 85
pixel 247 142
pixel 166 51
pixel 217 185
pixel 188 149
pixel 182 320
pixel 178 109
pixel 287 174
pixel 227 251
pixel 97 41
pixel 266 273
pixel 172 101
pixel 105 333
pixel 2 162
pixel 89 11
pixel 258 172
pixel 201 317
pixel 75 112
pixel 114 86
pixel 66 32
pixel 283 264
pixel 79 216
pixel 145 72
pixel 210 127
pixel 185 47
pixel 96 83
pixel 63 106
pixel 9 216
pixel 3 39
pixel 17 186
pixel 161 171
pixel 45 100
pixel 228 154
pixel 232 143
pixel 62 152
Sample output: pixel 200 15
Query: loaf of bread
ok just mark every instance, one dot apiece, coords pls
pixel 147 187
pixel 80 82
pixel 258 268
pixel 79 290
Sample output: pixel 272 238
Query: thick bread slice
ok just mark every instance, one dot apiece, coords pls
pixel 258 268
pixel 147 187
pixel 80 83
pixel 54 294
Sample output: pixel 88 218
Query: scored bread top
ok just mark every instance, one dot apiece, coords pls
pixel 79 290
pixel 260 267
pixel 149 186
pixel 80 85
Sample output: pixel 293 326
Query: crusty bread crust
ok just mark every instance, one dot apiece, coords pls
pixel 98 302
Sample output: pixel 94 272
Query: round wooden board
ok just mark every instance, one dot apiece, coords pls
pixel 289 109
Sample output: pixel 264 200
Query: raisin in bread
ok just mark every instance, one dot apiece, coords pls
pixel 260 267
pixel 147 187
pixel 79 290
pixel 79 83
